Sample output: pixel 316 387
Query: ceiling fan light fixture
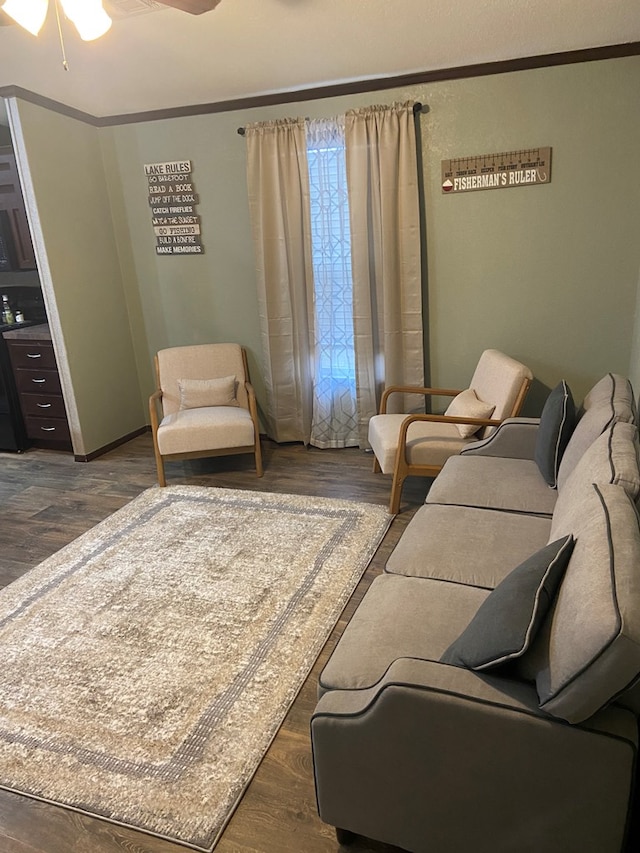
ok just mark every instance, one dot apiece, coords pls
pixel 30 14
pixel 88 16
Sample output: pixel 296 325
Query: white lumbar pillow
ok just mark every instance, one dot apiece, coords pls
pixel 467 405
pixel 202 393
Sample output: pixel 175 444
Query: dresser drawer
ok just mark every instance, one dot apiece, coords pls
pixel 32 355
pixel 48 429
pixel 42 406
pixel 38 381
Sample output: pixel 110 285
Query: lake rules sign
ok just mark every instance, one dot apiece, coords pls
pixel 522 168
pixel 173 201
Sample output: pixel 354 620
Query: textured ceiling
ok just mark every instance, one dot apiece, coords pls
pixel 166 58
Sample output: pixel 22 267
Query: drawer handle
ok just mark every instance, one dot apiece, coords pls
pixel 43 405
pixel 34 355
pixel 38 380
pixel 48 429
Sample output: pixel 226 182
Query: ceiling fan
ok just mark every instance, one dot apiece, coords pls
pixel 123 8
pixel 194 7
pixel 90 17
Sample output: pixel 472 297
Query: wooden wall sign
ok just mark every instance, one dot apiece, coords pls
pixel 522 168
pixel 173 201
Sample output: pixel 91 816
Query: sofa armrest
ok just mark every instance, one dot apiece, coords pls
pixel 438 757
pixel 515 438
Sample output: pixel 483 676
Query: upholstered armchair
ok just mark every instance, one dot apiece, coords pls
pixel 204 405
pixel 420 444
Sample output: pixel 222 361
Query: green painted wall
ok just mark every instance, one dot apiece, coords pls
pixel 549 274
pixel 95 346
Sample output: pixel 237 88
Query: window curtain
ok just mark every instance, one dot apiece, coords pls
pixel 278 183
pixel 382 176
pixel 384 226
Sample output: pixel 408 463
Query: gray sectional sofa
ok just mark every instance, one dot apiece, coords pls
pixel 485 696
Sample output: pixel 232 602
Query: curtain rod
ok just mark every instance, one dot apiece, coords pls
pixel 417 108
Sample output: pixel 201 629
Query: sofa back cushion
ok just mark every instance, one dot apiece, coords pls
pixel 588 650
pixel 611 399
pixel 611 459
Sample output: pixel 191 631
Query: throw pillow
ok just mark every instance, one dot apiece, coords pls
pixel 201 393
pixel 467 405
pixel 556 425
pixel 507 621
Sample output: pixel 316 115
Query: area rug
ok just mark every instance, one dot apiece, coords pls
pixel 146 668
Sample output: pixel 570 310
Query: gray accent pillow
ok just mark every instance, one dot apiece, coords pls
pixel 507 621
pixel 557 421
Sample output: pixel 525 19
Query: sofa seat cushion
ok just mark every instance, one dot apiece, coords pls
pixel 508 620
pixel 588 651
pixel 398 617
pixel 610 400
pixel 493 482
pixel 466 545
pixel 210 428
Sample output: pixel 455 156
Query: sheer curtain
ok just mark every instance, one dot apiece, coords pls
pixel 334 419
pixel 278 183
pixel 382 175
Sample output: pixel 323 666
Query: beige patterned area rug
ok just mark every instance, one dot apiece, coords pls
pixel 146 667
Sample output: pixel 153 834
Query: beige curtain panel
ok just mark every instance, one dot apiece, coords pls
pixel 382 175
pixel 279 206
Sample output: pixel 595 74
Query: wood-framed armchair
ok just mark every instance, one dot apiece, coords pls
pixel 203 405
pixel 419 444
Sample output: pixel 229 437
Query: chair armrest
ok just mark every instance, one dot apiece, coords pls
pixel 396 761
pixel 515 438
pixel 154 406
pixel 414 389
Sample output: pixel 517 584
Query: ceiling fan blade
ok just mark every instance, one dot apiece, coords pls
pixel 194 7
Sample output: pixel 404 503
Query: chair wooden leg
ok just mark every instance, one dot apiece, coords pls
pixel 396 493
pixel 162 481
pixel 376 465
pixel 259 469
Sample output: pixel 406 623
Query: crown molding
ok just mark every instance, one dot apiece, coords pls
pixel 372 84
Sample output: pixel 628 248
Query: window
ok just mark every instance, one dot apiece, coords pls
pixel 334 411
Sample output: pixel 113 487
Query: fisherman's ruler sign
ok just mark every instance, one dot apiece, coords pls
pixel 522 168
pixel 173 200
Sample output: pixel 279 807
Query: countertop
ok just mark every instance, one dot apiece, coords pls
pixel 40 332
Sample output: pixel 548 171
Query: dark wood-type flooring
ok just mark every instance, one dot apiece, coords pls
pixel 47 499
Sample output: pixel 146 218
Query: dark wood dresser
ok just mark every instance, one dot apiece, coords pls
pixel 39 390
